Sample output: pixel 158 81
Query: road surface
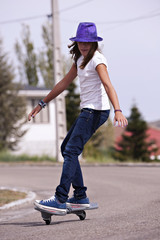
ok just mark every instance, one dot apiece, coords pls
pixel 128 198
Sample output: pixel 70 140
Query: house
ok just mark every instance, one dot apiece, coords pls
pixel 40 138
pixel 153 134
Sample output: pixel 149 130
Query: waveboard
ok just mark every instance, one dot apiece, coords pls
pixel 48 213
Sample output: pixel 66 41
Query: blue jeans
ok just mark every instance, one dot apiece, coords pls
pixel 81 131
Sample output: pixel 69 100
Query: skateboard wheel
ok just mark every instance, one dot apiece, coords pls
pixel 47 222
pixel 82 216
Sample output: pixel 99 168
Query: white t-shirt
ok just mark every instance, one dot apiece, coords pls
pixel 92 94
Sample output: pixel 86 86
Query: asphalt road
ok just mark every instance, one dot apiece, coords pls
pixel 128 198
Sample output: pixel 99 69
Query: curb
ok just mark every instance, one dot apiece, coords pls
pixel 30 197
pixel 86 164
pixel 120 164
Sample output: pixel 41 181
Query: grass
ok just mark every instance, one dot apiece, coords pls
pixel 100 159
pixel 11 158
pixel 94 156
pixel 103 156
pixel 7 196
pixel 90 157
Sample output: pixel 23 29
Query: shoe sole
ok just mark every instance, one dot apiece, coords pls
pixel 52 210
pixel 74 205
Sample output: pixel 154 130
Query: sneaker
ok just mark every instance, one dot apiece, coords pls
pixel 52 205
pixel 78 203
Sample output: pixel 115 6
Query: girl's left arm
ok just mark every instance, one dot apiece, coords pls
pixel 104 76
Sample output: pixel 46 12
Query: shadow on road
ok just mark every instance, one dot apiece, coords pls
pixel 37 224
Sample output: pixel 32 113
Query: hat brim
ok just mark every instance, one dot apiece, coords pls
pixel 75 39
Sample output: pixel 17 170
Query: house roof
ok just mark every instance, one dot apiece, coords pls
pixel 33 91
pixel 154 134
pixel 34 88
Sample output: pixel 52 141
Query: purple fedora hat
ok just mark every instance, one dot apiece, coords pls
pixel 86 32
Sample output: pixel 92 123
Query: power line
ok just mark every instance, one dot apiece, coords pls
pixel 24 19
pixel 42 16
pixel 75 6
pixel 131 19
pixel 152 14
pixel 122 21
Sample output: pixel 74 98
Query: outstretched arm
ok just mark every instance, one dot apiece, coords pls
pixel 103 74
pixel 59 88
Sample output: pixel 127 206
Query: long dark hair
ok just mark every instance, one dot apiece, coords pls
pixel 74 51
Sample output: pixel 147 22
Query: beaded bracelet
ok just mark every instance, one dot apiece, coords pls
pixel 42 104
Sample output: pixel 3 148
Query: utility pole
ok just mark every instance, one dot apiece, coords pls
pixel 60 109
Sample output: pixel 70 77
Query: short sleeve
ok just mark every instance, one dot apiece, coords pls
pixel 98 58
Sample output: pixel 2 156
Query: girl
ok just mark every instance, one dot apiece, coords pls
pixel 95 92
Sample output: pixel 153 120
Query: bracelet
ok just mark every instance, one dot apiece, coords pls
pixel 117 110
pixel 42 104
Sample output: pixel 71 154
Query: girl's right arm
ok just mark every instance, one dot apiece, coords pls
pixel 58 89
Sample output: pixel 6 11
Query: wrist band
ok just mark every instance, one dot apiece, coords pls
pixel 117 110
pixel 42 104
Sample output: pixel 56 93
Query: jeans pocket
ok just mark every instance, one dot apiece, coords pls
pixel 86 113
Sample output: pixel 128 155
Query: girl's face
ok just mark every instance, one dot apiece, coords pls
pixel 84 48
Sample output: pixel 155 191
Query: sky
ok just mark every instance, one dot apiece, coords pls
pixel 131 33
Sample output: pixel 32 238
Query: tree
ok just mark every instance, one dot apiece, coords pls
pixel 134 142
pixel 72 98
pixel 72 104
pixel 30 62
pixel 46 57
pixel 28 59
pixel 12 108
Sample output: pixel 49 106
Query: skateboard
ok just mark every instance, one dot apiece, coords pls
pixel 80 212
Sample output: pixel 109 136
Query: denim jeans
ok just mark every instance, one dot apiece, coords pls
pixel 81 131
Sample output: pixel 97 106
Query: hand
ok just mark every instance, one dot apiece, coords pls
pixel 34 112
pixel 120 118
